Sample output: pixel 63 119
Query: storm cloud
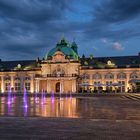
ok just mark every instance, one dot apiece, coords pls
pixel 29 28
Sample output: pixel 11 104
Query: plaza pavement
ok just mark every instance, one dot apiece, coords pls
pixel 124 126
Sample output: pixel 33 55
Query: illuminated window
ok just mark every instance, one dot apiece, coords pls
pixel 7 78
pixel 17 86
pixel 27 86
pixel 27 78
pixel 85 76
pixel 109 85
pixel 58 72
pixel 97 76
pixel 122 87
pixel 134 76
pixel 109 76
pixel 7 86
pixel 97 85
pixel 17 78
pixel 121 76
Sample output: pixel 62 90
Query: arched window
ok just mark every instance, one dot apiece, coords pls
pixel 58 72
pixel 109 76
pixel 85 76
pixel 27 78
pixel 134 76
pixel 7 78
pixel 97 76
pixel 121 76
pixel 17 78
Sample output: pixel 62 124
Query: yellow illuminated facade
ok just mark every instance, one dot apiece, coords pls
pixel 62 70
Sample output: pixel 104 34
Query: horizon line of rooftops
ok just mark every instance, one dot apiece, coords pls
pixel 83 56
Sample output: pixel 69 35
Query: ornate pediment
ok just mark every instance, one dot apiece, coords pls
pixel 58 57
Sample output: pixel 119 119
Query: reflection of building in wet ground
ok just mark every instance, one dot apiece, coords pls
pixel 63 70
pixel 113 107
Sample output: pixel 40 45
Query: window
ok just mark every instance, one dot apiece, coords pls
pixel 7 87
pixel 134 76
pixel 59 72
pixel 17 86
pixel 122 87
pixel 85 76
pixel 109 85
pixel 27 78
pixel 7 78
pixel 109 76
pixel 97 76
pixel 97 85
pixel 17 78
pixel 27 86
pixel 121 76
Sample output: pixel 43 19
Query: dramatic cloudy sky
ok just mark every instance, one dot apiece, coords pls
pixel 29 28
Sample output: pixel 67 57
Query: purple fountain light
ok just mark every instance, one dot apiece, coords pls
pixel 9 95
pixel 35 97
pixel 25 98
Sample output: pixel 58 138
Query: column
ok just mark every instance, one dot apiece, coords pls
pixel 2 84
pixel 48 87
pixel 71 85
pixel 74 86
pixel 22 83
pixel 127 82
pixel 91 82
pixel 32 84
pixel 62 86
pixel 37 86
pixel 12 83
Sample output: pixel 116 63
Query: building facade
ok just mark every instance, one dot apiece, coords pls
pixel 62 70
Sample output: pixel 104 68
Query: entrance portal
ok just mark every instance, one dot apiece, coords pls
pixel 57 87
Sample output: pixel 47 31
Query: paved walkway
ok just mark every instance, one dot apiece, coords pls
pixel 126 126
pixel 71 129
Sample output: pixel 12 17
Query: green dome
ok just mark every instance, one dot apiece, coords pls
pixel 65 48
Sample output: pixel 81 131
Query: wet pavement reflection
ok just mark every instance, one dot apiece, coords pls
pixel 71 107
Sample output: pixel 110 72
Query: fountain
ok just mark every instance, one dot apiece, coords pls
pixel 25 98
pixel 9 95
pixel 35 97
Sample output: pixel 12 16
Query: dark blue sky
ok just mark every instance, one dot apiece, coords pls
pixel 29 28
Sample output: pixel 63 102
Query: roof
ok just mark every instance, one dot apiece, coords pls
pixel 97 62
pixel 118 61
pixel 19 65
pixel 65 48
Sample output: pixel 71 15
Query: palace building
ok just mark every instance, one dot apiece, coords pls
pixel 62 70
